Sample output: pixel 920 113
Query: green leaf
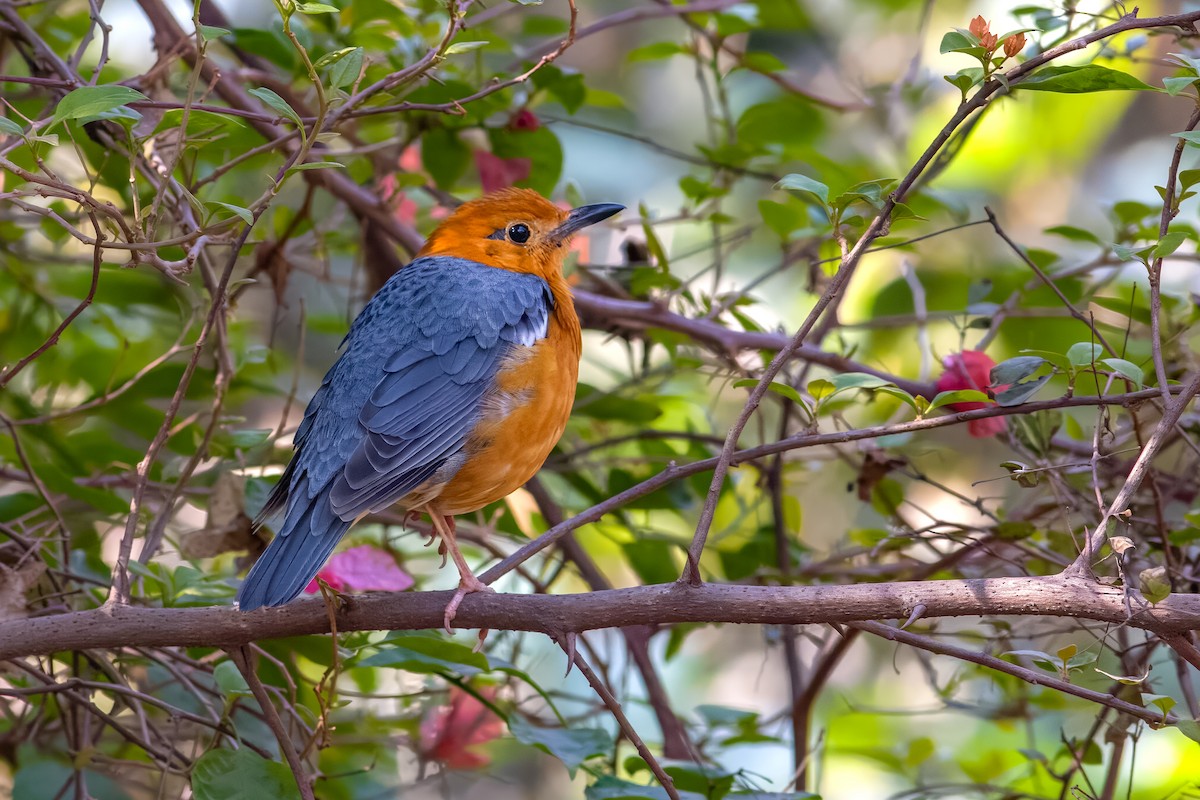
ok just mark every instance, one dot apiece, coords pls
pixel 956 41
pixel 1176 85
pixel 464 47
pixel 1126 369
pixel 655 51
pixel 1041 659
pixel 1169 244
pixel 1084 354
pixel 210 32
pixel 781 389
pixel 316 8
pixel 241 775
pixel 1191 137
pixel 805 187
pixel 278 104
pixel 858 380
pixel 572 746
pixel 899 394
pixel 310 165
pixel 1014 369
pixel 1188 178
pixel 10 127
pixel 820 389
pixel 88 101
pixel 346 69
pixel 230 681
pixel 1189 728
pixel 1081 79
pixel 1164 702
pixel 1074 234
pixel 958 396
pixel 427 655
pixel 1155 584
pixel 242 213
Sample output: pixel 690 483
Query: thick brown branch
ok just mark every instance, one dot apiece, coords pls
pixel 559 615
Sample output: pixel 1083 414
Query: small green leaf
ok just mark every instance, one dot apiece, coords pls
pixel 820 389
pixel 1189 728
pixel 464 47
pixel 1014 369
pixel 10 127
pixel 805 187
pixel 333 56
pixel 1191 137
pixel 899 394
pixel 958 396
pixel 1126 369
pixel 1169 244
pixel 1080 79
pixel 859 380
pixel 278 104
pixel 211 32
pixel 1041 659
pixel 1176 85
pixel 305 167
pixel 1155 584
pixel 957 41
pixel 1084 354
pixel 572 746
pixel 346 69
pixel 655 51
pixel 1074 234
pixel 243 213
pixel 781 389
pixel 230 681
pixel 1164 702
pixel 88 101
pixel 316 8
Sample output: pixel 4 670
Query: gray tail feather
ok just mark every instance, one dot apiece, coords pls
pixel 294 556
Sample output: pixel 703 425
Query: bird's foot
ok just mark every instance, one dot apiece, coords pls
pixel 442 551
pixel 468 584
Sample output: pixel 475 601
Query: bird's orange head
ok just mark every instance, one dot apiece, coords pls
pixel 514 229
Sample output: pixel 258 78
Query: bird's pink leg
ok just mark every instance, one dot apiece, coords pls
pixel 467 582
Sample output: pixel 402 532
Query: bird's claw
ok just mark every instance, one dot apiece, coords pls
pixel 465 587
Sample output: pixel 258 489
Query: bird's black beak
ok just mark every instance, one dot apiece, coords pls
pixel 581 217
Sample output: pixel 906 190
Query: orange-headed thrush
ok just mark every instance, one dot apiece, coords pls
pixel 454 383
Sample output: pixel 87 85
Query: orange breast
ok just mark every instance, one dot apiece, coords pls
pixel 523 420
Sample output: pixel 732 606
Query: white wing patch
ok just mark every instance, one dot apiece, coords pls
pixel 532 327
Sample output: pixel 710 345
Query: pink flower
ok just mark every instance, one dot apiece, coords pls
pixel 449 731
pixel 365 568
pixel 500 173
pixel 971 369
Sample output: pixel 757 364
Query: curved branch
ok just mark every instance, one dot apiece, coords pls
pixel 559 615
pixel 598 311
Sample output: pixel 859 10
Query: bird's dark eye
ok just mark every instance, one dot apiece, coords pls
pixel 519 233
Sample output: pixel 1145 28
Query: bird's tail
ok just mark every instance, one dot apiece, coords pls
pixel 298 551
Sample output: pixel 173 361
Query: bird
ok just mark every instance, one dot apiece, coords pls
pixel 453 385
